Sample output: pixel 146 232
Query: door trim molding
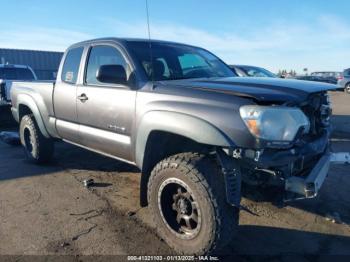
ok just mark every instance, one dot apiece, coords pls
pixel 123 139
pixel 100 152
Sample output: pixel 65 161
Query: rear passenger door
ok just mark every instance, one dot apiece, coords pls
pixel 106 110
pixel 65 96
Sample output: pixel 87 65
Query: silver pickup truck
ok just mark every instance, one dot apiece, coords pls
pixel 193 128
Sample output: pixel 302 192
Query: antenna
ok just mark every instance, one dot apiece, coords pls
pixel 150 43
pixel 148 26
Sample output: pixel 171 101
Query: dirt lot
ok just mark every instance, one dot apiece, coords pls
pixel 46 209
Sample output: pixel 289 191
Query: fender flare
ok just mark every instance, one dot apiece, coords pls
pixel 185 125
pixel 28 101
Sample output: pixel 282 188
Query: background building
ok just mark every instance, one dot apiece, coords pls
pixel 44 63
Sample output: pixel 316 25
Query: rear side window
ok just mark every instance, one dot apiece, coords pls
pixel 71 65
pixel 347 72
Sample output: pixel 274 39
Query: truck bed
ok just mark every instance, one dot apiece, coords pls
pixel 40 91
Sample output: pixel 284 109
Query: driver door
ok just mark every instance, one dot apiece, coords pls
pixel 106 110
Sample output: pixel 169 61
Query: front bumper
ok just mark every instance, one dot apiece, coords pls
pixel 302 153
pixel 301 170
pixel 308 187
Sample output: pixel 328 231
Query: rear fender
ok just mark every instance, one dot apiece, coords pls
pixel 28 101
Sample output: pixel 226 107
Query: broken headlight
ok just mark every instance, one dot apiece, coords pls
pixel 274 123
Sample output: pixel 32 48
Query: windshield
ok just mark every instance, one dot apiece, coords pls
pixel 256 71
pixel 13 73
pixel 176 61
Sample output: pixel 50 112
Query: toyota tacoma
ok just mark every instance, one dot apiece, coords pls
pixel 193 128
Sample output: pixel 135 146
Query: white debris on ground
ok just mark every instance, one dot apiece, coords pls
pixel 334 218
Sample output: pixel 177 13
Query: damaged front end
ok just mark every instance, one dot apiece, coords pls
pixel 299 165
pixel 300 169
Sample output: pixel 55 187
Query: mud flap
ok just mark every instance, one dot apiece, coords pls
pixel 232 175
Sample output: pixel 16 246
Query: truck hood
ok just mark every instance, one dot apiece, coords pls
pixel 260 89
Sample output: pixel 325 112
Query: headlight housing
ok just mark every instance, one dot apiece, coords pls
pixel 274 123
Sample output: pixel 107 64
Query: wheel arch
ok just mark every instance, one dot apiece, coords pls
pixel 167 133
pixel 26 105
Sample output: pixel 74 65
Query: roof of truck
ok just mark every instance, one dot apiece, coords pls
pixel 123 41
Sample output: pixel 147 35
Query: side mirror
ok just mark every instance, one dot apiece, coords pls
pixel 111 74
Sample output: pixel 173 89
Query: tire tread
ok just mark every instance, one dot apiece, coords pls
pixel 195 166
pixel 44 146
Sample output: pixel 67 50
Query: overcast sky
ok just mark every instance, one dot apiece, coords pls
pixel 273 34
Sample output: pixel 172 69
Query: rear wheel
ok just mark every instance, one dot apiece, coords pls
pixel 38 148
pixel 188 202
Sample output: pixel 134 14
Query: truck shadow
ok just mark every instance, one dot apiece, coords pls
pixel 332 202
pixel 6 119
pixel 277 243
pixel 13 164
pixel 257 242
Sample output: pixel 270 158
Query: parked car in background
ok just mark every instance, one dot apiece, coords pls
pixel 251 71
pixel 310 78
pixel 10 73
pixel 344 82
pixel 325 77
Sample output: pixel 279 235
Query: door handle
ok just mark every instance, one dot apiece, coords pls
pixel 83 98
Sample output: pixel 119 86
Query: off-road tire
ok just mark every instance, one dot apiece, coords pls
pixel 38 148
pixel 202 174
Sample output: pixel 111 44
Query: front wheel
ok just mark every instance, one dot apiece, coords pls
pixel 188 202
pixel 38 148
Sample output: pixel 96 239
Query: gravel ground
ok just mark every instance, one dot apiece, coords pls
pixel 46 210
